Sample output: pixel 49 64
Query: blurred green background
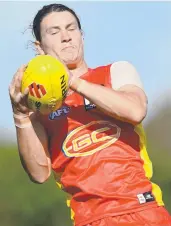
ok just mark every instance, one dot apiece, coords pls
pixel 23 203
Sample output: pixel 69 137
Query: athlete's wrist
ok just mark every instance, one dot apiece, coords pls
pixel 22 120
pixel 77 84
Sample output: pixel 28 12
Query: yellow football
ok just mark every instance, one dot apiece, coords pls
pixel 47 80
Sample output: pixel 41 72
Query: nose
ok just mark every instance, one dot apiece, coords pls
pixel 65 37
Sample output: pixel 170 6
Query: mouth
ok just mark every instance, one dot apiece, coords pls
pixel 68 47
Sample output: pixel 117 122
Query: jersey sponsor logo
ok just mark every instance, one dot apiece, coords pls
pixel 145 197
pixel 60 112
pixel 36 90
pixel 88 105
pixel 91 138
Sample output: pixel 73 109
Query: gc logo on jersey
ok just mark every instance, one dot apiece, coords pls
pixel 88 139
pixel 60 112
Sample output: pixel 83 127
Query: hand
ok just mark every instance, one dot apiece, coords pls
pixel 18 100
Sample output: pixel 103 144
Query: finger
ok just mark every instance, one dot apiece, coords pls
pixel 26 91
pixel 13 79
pixel 18 98
pixel 10 88
pixel 19 72
pixel 18 78
pixel 24 95
pixel 22 68
pixel 11 93
pixel 17 84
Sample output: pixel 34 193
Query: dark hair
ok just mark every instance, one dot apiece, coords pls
pixel 44 12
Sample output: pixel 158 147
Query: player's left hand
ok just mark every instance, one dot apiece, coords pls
pixel 18 99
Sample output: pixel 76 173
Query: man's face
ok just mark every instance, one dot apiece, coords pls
pixel 61 36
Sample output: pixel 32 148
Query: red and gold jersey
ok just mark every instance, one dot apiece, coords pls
pixel 99 161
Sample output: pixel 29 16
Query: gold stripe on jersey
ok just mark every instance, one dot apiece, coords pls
pixel 148 164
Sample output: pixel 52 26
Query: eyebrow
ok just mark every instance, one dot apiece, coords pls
pixel 57 27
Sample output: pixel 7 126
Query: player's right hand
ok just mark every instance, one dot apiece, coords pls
pixel 18 100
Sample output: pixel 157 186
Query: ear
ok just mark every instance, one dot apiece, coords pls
pixel 39 50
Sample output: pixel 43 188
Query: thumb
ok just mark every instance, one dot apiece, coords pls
pixel 26 91
pixel 25 96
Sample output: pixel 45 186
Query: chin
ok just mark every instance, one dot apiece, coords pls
pixel 71 63
pixel 70 57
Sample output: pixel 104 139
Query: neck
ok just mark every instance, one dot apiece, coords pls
pixel 79 70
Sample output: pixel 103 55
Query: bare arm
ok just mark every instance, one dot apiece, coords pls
pixel 31 136
pixel 33 151
pixel 127 103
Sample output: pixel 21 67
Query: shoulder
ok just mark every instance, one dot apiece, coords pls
pixel 124 73
pixel 123 66
pixel 116 66
pixel 121 73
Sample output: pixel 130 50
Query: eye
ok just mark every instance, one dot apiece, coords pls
pixel 54 32
pixel 71 28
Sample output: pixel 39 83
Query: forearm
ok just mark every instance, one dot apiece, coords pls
pixel 117 104
pixel 32 145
